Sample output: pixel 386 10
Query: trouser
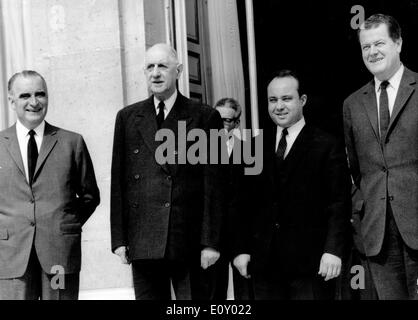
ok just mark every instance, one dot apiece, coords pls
pixel 35 284
pixel 152 280
pixel 277 286
pixel 395 268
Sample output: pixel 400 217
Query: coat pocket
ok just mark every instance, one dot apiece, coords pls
pixel 4 234
pixel 358 208
pixel 70 228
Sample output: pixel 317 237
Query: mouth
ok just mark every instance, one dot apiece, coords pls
pixel 36 110
pixel 281 115
pixel 376 60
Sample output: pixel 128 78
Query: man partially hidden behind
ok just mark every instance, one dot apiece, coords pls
pixel 234 193
pixel 48 191
pixel 165 218
pixel 381 135
pixel 300 204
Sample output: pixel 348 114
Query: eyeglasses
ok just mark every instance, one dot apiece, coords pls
pixel 229 120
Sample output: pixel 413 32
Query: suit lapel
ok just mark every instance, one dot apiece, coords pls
pixel 370 104
pixel 48 143
pixel 178 113
pixel 12 145
pixel 270 155
pixel 404 92
pixel 146 124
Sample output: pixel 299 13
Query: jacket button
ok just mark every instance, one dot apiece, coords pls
pixel 136 151
pixel 390 198
pixel 137 177
pixel 167 205
pixel 169 178
pixel 384 169
pixel 277 226
pixel 32 200
pixel 32 224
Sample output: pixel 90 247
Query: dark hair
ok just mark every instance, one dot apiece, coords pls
pixel 233 104
pixel 25 74
pixel 378 19
pixel 284 73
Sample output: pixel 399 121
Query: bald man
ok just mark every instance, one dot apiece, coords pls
pixel 165 218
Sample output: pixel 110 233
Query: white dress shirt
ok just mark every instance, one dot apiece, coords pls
pixel 23 138
pixel 391 89
pixel 292 134
pixel 168 104
pixel 231 141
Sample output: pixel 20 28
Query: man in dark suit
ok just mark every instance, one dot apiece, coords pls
pixel 217 277
pixel 381 135
pixel 165 217
pixel 47 192
pixel 301 204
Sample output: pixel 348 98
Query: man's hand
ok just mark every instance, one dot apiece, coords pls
pixel 241 263
pixel 208 257
pixel 122 252
pixel 330 266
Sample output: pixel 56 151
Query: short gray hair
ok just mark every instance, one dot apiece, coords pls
pixel 232 103
pixel 24 74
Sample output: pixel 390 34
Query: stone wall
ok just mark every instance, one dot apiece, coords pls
pixel 91 53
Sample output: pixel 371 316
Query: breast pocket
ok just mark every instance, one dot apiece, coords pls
pixel 4 234
pixel 70 228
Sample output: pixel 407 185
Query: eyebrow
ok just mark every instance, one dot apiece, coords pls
pixel 373 42
pixel 157 64
pixel 37 94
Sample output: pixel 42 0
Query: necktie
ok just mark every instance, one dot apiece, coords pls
pixel 384 109
pixel 281 149
pixel 160 115
pixel 32 155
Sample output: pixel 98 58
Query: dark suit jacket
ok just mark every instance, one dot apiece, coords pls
pixel 158 210
pixel 234 200
pixel 306 203
pixel 50 215
pixel 388 170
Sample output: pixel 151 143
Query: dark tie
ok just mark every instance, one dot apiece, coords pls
pixel 160 115
pixel 32 155
pixel 384 109
pixel 281 149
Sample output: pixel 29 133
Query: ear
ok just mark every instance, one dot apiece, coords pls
pixel 237 122
pixel 11 100
pixel 179 70
pixel 399 43
pixel 304 99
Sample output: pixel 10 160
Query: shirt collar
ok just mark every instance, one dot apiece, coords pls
pixel 236 132
pixel 295 128
pixel 22 131
pixel 169 103
pixel 394 81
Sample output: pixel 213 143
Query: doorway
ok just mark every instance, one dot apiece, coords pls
pixel 316 38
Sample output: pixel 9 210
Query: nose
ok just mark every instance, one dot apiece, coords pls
pixel 155 72
pixel 280 105
pixel 33 101
pixel 373 50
